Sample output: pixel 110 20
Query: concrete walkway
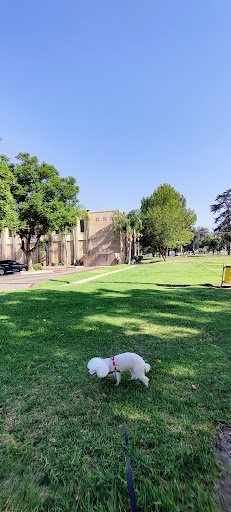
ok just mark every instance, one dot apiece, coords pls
pixel 96 277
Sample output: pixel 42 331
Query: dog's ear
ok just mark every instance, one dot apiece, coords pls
pixel 102 370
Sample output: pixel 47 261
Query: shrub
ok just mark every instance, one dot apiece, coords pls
pixel 37 266
pixel 138 258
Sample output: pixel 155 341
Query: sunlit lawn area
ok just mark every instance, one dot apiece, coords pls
pixel 71 278
pixel 62 432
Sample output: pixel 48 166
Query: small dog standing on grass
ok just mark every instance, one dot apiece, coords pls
pixel 119 364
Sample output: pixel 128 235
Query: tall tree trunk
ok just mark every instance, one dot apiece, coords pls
pixel 134 243
pixel 74 245
pixel 121 245
pixel 164 253
pixel 129 249
pixel 66 252
pixel 28 253
pixel 29 261
pixel 27 250
pixel 126 249
pixel 138 246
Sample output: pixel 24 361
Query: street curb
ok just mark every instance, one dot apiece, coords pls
pixel 50 271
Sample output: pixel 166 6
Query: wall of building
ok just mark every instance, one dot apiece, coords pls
pixel 103 238
pixel 100 259
pixel 98 238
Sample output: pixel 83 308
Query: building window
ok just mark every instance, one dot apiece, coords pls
pixel 104 218
pixel 81 226
pixel 97 219
pixel 10 234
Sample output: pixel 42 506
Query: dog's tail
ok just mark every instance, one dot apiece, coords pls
pixel 146 367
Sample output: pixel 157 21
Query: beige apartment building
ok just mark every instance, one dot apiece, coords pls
pixel 92 242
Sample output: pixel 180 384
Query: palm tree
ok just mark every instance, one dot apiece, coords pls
pixel 136 226
pixel 129 243
pixel 130 224
pixel 121 225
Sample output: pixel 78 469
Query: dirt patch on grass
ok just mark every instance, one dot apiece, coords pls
pixel 12 417
pixel 223 452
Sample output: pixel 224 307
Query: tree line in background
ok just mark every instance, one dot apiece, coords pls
pixel 205 240
pixel 35 200
pixel 220 238
pixel 164 223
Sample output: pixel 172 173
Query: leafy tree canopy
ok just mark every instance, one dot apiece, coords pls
pixel 8 215
pixel 212 243
pixel 40 199
pixel 167 223
pixel 134 218
pixel 199 235
pixel 222 207
pixel 120 220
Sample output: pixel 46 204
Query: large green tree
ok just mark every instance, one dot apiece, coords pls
pixel 222 207
pixel 8 214
pixel 43 201
pixel 167 223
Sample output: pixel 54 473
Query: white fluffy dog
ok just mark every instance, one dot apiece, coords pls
pixel 114 366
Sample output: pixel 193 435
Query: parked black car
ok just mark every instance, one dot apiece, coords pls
pixel 11 266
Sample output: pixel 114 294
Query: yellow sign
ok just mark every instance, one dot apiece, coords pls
pixel 226 274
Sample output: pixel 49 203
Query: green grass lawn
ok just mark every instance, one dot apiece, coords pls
pixel 62 431
pixel 78 276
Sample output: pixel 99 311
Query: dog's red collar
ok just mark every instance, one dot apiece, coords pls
pixel 113 362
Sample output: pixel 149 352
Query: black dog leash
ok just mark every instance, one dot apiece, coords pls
pixel 130 483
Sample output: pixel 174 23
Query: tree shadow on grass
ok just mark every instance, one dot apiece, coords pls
pixel 79 313
pixel 50 402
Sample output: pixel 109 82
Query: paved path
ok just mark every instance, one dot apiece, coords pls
pixel 21 280
pixel 97 277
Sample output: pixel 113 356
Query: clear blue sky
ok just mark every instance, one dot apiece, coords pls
pixel 123 95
